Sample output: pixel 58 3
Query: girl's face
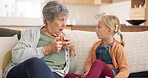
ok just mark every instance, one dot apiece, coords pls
pixel 56 26
pixel 102 30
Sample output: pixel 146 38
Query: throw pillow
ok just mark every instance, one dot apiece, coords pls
pixel 7 43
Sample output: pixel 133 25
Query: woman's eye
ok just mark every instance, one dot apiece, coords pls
pixel 61 20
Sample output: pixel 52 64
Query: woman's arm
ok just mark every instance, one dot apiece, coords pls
pixel 27 46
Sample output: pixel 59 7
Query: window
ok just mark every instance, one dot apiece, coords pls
pixel 20 8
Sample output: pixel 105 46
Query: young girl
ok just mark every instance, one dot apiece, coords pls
pixel 107 57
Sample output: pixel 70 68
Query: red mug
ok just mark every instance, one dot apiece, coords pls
pixel 63 40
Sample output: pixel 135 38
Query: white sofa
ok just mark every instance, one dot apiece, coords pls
pixel 136 48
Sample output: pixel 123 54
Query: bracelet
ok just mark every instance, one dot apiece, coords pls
pixel 43 49
pixel 46 49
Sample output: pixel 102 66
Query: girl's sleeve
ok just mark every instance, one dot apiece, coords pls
pixel 123 64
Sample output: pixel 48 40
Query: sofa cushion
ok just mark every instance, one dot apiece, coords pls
pixel 136 44
pixel 7 43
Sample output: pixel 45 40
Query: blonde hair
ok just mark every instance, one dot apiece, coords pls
pixel 113 23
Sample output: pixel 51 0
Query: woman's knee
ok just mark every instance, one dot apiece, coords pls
pixel 34 62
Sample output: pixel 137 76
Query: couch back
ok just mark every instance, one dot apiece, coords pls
pixel 83 41
pixel 136 48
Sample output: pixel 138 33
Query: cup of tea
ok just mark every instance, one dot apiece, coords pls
pixel 62 39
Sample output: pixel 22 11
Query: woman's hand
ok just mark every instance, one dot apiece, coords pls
pixel 58 43
pixel 54 46
pixel 69 43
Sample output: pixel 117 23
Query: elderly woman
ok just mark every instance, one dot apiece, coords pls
pixel 41 53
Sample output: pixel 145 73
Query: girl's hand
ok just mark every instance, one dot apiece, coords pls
pixel 84 74
pixel 107 77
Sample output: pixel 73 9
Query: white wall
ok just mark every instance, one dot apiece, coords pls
pixel 18 21
pixel 120 9
pixel 84 14
pixel 81 14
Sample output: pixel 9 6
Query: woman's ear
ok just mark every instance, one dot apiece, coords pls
pixel 48 21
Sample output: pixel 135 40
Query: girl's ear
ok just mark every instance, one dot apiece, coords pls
pixel 110 31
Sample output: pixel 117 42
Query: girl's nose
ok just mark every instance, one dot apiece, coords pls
pixel 95 29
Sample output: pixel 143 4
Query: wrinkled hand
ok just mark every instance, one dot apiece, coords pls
pixel 54 47
pixel 69 44
pixel 58 43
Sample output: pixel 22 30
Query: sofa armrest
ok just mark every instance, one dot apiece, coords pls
pixel 4 32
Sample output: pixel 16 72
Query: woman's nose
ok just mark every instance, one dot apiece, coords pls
pixel 64 24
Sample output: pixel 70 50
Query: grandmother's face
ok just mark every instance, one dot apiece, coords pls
pixel 56 26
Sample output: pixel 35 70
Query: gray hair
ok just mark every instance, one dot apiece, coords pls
pixel 52 9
